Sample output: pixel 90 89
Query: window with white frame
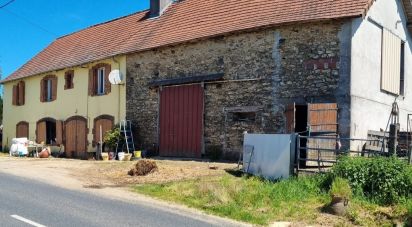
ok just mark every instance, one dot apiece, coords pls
pixel 392 66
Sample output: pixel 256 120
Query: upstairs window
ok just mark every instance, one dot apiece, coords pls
pixel 68 77
pixel 99 80
pixel 18 98
pixel 48 89
pixel 392 78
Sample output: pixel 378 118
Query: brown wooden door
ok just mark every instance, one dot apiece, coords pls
pixel 181 121
pixel 290 114
pixel 75 137
pixel 323 122
pixel 323 118
pixel 22 130
pixel 41 134
pixel 106 124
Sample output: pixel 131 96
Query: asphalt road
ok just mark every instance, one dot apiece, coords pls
pixel 44 205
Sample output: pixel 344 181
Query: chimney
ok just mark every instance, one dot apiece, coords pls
pixel 157 7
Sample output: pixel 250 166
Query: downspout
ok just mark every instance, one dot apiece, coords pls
pixel 119 93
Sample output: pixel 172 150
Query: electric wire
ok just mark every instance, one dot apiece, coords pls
pixel 30 22
pixel 6 4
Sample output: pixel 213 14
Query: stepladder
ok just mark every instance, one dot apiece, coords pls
pixel 125 142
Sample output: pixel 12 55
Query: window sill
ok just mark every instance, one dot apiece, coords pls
pixel 98 95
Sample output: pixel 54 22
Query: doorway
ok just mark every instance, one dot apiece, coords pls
pixel 46 131
pixel 302 129
pixel 313 119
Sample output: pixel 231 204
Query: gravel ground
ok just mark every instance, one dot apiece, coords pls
pixel 98 174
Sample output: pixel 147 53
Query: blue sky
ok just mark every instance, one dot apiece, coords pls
pixel 28 26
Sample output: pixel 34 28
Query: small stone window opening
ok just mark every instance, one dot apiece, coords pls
pixel 100 81
pixel 68 77
pixel 244 116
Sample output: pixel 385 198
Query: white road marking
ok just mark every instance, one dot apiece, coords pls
pixel 15 216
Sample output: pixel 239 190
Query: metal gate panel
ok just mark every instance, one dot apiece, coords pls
pixel 181 121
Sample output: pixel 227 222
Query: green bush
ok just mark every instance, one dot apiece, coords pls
pixel 409 209
pixel 381 179
pixel 111 137
pixel 341 188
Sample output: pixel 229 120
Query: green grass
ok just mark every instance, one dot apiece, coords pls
pixel 245 199
pixel 258 201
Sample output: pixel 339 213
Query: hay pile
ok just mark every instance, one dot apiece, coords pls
pixel 143 167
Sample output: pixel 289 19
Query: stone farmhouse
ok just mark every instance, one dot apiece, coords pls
pixel 200 73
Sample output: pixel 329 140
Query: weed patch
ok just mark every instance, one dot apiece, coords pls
pixel 381 180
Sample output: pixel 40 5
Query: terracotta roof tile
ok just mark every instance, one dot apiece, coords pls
pixel 183 21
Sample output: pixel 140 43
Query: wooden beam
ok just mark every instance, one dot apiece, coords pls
pixel 186 80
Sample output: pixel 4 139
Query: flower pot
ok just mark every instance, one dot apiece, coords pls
pixel 127 157
pixel 45 153
pixel 121 156
pixel 338 206
pixel 105 156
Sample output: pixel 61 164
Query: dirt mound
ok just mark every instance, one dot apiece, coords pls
pixel 143 167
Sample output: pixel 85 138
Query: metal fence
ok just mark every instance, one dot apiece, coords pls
pixel 319 153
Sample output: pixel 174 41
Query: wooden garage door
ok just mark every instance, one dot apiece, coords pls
pixel 22 130
pixel 75 134
pixel 181 121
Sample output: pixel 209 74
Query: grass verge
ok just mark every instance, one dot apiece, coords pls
pixel 258 201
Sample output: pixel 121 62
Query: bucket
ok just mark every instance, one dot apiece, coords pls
pixel 121 156
pixel 138 154
pixel 105 156
pixel 127 157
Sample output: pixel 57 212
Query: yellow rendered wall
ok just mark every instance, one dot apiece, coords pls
pixel 69 103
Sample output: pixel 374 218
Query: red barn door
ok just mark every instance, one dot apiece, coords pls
pixel 181 121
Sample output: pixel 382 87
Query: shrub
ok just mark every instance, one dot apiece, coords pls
pixel 381 179
pixel 111 137
pixel 341 188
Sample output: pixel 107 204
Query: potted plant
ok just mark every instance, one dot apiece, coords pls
pixel 111 139
pixel 340 193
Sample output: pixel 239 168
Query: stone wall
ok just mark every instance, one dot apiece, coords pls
pixel 263 71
